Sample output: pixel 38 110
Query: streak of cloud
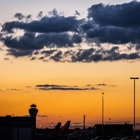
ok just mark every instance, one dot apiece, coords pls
pixel 6 59
pixel 105 85
pixel 102 84
pixel 62 87
pixel 42 116
pixel 13 89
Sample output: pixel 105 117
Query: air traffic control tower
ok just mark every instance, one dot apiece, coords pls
pixel 33 112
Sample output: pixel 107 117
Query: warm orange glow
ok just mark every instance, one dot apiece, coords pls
pixel 18 91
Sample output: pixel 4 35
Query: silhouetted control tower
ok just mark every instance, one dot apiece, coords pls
pixel 33 111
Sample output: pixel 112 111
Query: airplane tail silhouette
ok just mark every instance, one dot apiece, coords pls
pixel 59 133
pixel 64 130
pixel 55 132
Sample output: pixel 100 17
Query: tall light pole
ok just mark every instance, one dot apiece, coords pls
pixel 102 114
pixel 134 78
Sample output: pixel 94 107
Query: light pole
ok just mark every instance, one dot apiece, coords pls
pixel 102 114
pixel 134 78
pixel 109 120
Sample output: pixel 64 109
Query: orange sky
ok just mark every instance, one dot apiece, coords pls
pixel 29 74
pixel 63 105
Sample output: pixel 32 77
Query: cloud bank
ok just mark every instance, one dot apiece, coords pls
pixel 109 32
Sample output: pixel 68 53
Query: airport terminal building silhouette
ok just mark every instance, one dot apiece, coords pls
pixel 19 128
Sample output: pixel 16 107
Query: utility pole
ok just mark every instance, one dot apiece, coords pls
pixel 134 78
pixel 102 114
pixel 84 127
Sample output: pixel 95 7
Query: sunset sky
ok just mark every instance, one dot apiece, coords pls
pixel 62 55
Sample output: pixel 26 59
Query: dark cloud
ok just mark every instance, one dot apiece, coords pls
pixel 62 87
pixel 31 41
pixel 28 18
pixel 122 15
pixel 45 37
pixel 56 24
pixel 26 42
pixel 77 13
pixel 19 16
pixel 114 35
pixel 87 25
pixel 19 53
pixel 6 59
pixel 102 84
pixel 138 47
pixel 57 57
pixel 40 15
pixel 116 24
pixel 89 55
pixel 33 58
pixel 83 55
pixel 54 12
pixel 41 58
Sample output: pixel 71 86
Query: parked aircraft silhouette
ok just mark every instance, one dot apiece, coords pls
pixel 57 133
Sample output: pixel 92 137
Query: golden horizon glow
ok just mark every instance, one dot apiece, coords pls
pixel 63 105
